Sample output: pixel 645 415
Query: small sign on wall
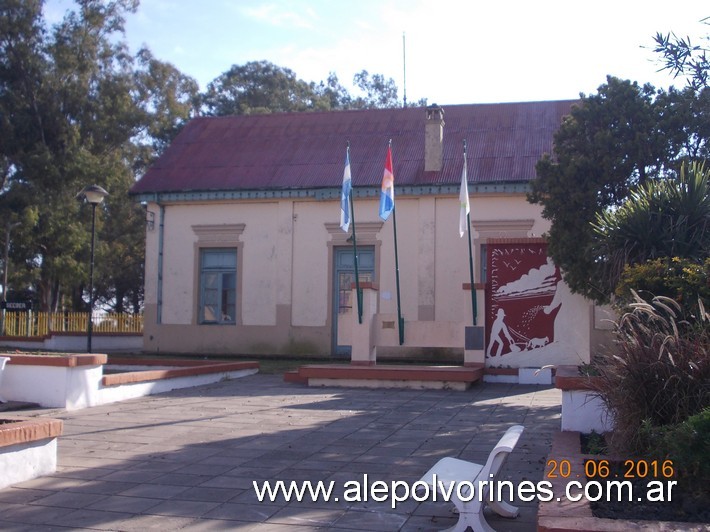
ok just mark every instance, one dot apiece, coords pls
pixel 474 338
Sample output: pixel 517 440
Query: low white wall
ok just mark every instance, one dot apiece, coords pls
pixel 77 343
pixel 121 392
pixel 25 461
pixel 584 412
pixel 541 376
pixel 53 386
pixel 78 387
pixel 418 333
pixel 99 344
pixel 391 383
pixel 501 379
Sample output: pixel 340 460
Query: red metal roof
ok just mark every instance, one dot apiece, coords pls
pixel 307 150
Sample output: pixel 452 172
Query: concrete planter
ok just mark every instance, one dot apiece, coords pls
pixel 582 409
pixel 57 381
pixel 542 376
pixel 75 381
pixel 28 448
pixel 563 515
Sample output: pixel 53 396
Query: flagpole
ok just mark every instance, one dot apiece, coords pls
pixel 400 320
pixel 358 290
pixel 474 308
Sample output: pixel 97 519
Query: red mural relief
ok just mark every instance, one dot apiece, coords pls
pixel 522 300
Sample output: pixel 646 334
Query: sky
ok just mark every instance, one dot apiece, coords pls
pixel 456 51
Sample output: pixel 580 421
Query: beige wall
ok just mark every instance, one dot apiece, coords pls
pixel 310 266
pixel 285 270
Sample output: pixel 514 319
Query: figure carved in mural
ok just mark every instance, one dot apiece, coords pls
pixel 535 343
pixel 497 329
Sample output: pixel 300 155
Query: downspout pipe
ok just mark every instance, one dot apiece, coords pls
pixel 161 233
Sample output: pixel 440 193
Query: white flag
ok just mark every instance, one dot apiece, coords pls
pixel 463 200
pixel 345 195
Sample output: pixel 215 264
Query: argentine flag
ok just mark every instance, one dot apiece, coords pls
pixel 387 193
pixel 345 195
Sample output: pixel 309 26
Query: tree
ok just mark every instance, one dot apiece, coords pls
pixel 262 87
pixel 91 75
pixel 683 58
pixel 623 137
pixel 166 97
pixel 332 95
pixel 75 110
pixel 379 92
pixel 121 251
pixel 683 122
pixel 37 142
pixel 608 143
pixel 258 87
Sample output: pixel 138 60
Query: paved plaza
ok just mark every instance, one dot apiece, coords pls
pixel 186 459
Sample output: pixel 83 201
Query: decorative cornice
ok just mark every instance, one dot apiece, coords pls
pixel 363 228
pixel 218 232
pixel 366 232
pixel 326 194
pixel 484 227
pixel 518 241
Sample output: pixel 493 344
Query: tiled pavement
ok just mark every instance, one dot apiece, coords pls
pixel 187 459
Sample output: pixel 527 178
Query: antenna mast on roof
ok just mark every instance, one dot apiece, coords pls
pixel 404 66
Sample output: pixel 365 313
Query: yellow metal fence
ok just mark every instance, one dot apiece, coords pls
pixel 43 323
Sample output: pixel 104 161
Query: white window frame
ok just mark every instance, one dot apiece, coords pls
pixel 226 312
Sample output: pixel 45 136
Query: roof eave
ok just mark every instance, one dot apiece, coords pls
pixel 328 193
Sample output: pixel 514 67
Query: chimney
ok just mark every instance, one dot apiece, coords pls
pixel 434 139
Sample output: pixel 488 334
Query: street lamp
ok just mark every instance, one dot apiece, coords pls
pixel 94 195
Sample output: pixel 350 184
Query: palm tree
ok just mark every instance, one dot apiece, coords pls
pixel 661 218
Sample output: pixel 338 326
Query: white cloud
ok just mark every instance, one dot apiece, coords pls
pixel 276 15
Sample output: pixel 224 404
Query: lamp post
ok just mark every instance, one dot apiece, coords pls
pixel 94 195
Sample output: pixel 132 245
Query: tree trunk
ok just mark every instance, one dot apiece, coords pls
pixel 44 295
pixel 118 297
pixel 56 295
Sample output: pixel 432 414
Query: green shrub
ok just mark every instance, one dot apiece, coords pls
pixel 593 443
pixel 655 374
pixel 681 279
pixel 687 444
pixel 660 219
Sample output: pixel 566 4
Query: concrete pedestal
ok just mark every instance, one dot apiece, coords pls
pixel 364 350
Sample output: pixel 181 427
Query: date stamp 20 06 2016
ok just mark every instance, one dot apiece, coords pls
pixel 615 480
pixel 602 469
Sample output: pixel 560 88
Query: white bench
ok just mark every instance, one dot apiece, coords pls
pixel 470 505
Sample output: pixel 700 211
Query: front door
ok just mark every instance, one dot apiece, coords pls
pixel 344 305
